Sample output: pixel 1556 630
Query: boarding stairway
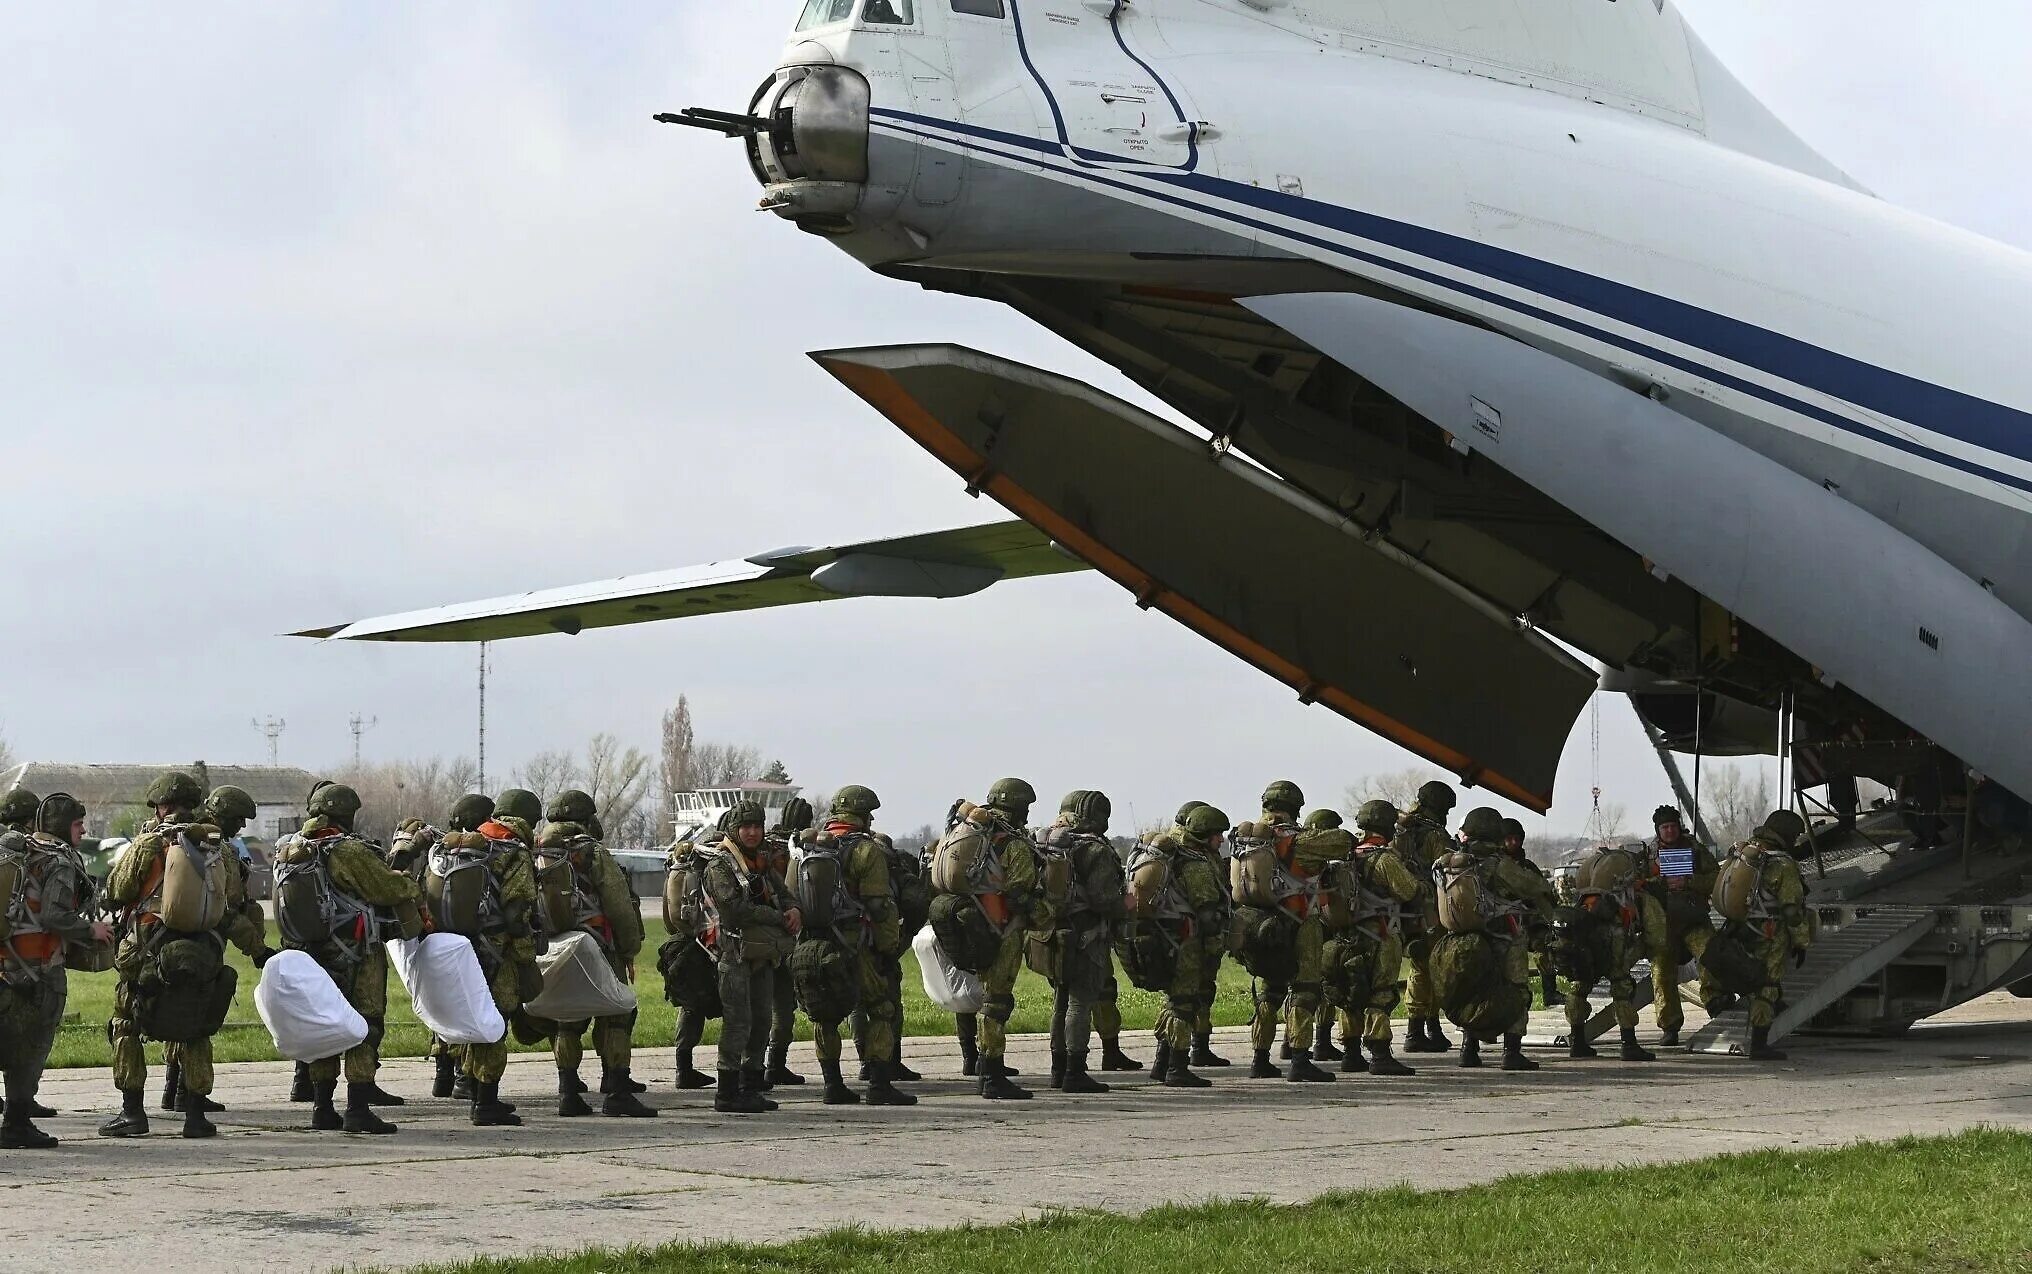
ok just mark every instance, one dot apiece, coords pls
pixel 1839 962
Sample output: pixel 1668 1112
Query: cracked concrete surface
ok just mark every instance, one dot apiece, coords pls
pixel 267 1194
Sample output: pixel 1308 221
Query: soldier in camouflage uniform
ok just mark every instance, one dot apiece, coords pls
pixel 757 924
pixel 874 940
pixel 1378 892
pixel 508 958
pixel 796 817
pixel 46 904
pixel 1022 895
pixel 229 809
pixel 1779 927
pixel 134 885
pixel 1213 942
pixel 357 963
pixel 573 825
pixel 912 892
pixel 1082 949
pixel 1191 851
pixel 17 811
pixel 1422 840
pixel 1677 923
pixel 691 1024
pixel 1604 936
pixel 1298 1003
pixel 467 814
pixel 1323 1050
pixel 1530 899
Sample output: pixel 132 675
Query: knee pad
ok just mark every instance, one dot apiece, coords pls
pixel 999 1008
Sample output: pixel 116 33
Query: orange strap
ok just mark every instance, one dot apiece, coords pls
pixel 37 948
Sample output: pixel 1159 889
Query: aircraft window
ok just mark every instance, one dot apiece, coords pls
pixel 888 12
pixel 980 8
pixel 818 13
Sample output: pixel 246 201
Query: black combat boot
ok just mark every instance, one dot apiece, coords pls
pixel 967 1029
pixel 1513 1053
pixel 898 1073
pixel 489 1111
pixel 360 1116
pixel 779 1066
pixel 836 1091
pixel 1470 1051
pixel 1114 1059
pixel 1414 1036
pixel 1577 1046
pixel 324 1117
pixel 1727 1002
pixel 1670 1037
pixel 732 1098
pixel 1076 1078
pixel 1303 1071
pixel 1203 1051
pixel 1352 1061
pixel 464 1089
pixel 379 1096
pixel 1760 1046
pixel 1322 1041
pixel 1058 1068
pixel 30 1110
pixel 17 1133
pixel 687 1075
pixel 882 1090
pixel 132 1121
pixel 1632 1050
pixel 995 1083
pixel 1177 1074
pixel 571 1101
pixel 172 1085
pixel 621 1101
pixel 1382 1061
pixel 185 1099
pixel 1160 1066
pixel 195 1126
pixel 447 1076
pixel 300 1087
pixel 756 1083
pixel 1261 1068
pixel 1436 1037
pixel 1284 1048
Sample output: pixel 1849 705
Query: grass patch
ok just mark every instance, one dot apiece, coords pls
pixel 1961 1203
pixel 82 1042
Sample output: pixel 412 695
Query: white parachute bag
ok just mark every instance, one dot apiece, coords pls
pixel 447 988
pixel 578 983
pixel 304 1010
pixel 952 989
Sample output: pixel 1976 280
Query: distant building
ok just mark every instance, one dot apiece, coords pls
pixel 109 791
pixel 697 814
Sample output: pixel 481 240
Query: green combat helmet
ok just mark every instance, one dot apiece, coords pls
pixel 1377 816
pixel 1012 797
pixel 798 815
pixel 1185 811
pixel 746 813
pixel 469 811
pixel 228 808
pixel 1783 828
pixel 1436 798
pixel 334 801
pixel 1088 812
pixel 853 799
pixel 1482 824
pixel 570 806
pixel 1283 797
pixel 1204 823
pixel 519 802
pixel 60 811
pixel 17 808
pixel 1323 820
pixel 175 789
pixel 1511 827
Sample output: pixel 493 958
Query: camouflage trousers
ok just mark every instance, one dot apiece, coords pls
pixel 1211 956
pixel 1374 986
pixel 782 1009
pixel 1085 972
pixel 747 993
pixel 1622 946
pixel 366 989
pixel 1773 952
pixel 28 1033
pixel 1180 1016
pixel 613 1037
pixel 877 1020
pixel 130 1059
pixel 487 1063
pixel 998 982
pixel 1296 1002
pixel 1665 943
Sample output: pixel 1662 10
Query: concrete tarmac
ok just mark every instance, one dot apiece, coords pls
pixel 269 1195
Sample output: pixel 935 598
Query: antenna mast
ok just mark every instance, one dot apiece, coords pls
pixel 483 716
pixel 360 727
pixel 272 727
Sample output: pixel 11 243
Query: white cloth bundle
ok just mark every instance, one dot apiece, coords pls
pixel 954 990
pixel 304 1010
pixel 447 988
pixel 578 983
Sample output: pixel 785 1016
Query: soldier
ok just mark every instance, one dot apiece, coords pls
pixel 1007 888
pixel 1203 865
pixel 1677 923
pixel 1091 907
pixel 1763 896
pixel 1420 842
pixel 691 1023
pixel 503 931
pixel 17 811
pixel 521 804
pixel 1545 941
pixel 757 923
pixel 589 894
pixel 913 899
pixel 1602 941
pixel 46 905
pixel 796 817
pixel 1323 1050
pixel 1179 907
pixel 1278 869
pixel 1504 894
pixel 467 814
pixel 1378 892
pixel 370 901
pixel 847 899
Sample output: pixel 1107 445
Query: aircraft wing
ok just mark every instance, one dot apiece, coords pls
pixel 939 564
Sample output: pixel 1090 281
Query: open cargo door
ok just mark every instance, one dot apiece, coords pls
pixel 1241 558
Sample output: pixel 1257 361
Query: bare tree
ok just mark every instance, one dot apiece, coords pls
pixel 721 764
pixel 1607 823
pixel 675 757
pixel 1399 787
pixel 617 779
pixel 391 791
pixel 1734 801
pixel 548 773
pixel 7 761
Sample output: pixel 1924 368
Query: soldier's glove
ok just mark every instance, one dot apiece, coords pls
pixel 261 956
pixel 1799 958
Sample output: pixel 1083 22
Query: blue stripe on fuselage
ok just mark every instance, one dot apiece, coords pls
pixel 1979 422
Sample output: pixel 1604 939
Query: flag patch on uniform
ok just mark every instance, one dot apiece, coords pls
pixel 1675 862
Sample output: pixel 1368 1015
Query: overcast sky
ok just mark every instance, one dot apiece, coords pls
pixel 321 310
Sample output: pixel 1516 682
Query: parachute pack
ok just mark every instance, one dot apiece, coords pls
pixel 826 979
pixel 684 887
pixel 1606 882
pixel 1740 893
pixel 819 879
pixel 913 891
pixel 965 861
pixel 190 893
pixel 1159 896
pixel 1468 901
pixel 465 897
pixel 185 988
pixel 1469 984
pixel 566 899
pixel 312 913
pixel 970 941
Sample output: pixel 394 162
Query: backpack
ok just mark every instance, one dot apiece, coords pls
pixel 1470 987
pixel 965 860
pixel 1149 955
pixel 819 880
pixel 1739 892
pixel 964 932
pixel 1159 896
pixel 1611 876
pixel 565 898
pixel 1054 849
pixel 312 914
pixel 1263 939
pixel 684 882
pixel 464 896
pixel 1468 901
pixel 913 891
pixel 1356 900
pixel 194 880
pixel 30 949
pixel 185 991
pixel 1259 874
pixel 826 978
pixel 691 978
